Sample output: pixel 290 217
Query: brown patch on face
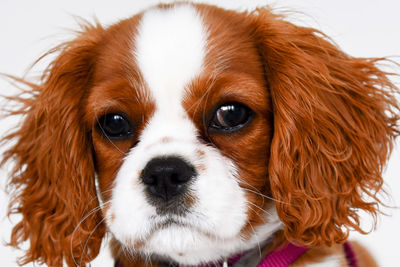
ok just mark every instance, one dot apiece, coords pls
pixel 234 72
pixel 200 153
pixel 200 167
pixel 117 87
pixel 163 140
pixel 189 200
pixel 166 139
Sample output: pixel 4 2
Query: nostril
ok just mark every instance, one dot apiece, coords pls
pixel 184 173
pixel 149 179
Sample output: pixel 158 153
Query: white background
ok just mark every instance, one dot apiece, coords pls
pixel 363 28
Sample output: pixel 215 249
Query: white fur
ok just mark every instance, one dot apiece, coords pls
pixel 169 50
pixel 189 246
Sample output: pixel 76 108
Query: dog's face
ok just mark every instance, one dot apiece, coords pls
pixel 192 133
pixel 181 136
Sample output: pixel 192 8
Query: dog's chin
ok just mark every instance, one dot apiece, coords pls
pixel 181 241
pixel 188 245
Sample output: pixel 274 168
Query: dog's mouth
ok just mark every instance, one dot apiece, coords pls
pixel 165 222
pixel 161 227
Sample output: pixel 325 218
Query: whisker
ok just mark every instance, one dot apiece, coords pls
pixel 263 195
pixel 96 209
pixel 87 239
pixel 256 212
pixel 258 241
pixel 254 205
pixel 94 198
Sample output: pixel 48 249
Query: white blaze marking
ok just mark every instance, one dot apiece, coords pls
pixel 170 49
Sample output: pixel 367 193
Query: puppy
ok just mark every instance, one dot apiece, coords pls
pixel 198 136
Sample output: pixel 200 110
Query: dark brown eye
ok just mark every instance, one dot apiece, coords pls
pixel 115 126
pixel 231 117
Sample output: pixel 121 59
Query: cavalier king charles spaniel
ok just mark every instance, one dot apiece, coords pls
pixel 199 136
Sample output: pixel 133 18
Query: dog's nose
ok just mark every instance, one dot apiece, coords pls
pixel 166 177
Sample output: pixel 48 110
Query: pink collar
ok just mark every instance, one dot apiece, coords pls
pixel 285 256
pixel 282 257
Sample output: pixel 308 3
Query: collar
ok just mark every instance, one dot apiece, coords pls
pixel 281 257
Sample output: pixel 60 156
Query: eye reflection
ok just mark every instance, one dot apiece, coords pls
pixel 231 117
pixel 115 126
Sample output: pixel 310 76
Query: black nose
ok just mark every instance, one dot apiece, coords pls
pixel 166 177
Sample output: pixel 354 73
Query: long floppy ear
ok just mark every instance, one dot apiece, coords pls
pixel 335 120
pixel 53 181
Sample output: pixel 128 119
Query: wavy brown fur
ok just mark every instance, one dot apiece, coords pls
pixel 53 179
pixel 335 120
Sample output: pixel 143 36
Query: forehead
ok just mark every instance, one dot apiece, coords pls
pixel 178 52
pixel 170 49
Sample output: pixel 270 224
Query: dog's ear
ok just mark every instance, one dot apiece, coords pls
pixel 335 120
pixel 53 182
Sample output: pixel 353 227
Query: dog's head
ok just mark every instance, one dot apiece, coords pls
pixel 192 132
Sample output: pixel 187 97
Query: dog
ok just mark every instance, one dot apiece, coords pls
pixel 199 136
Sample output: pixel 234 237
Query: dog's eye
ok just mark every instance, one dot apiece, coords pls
pixel 115 126
pixel 231 117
